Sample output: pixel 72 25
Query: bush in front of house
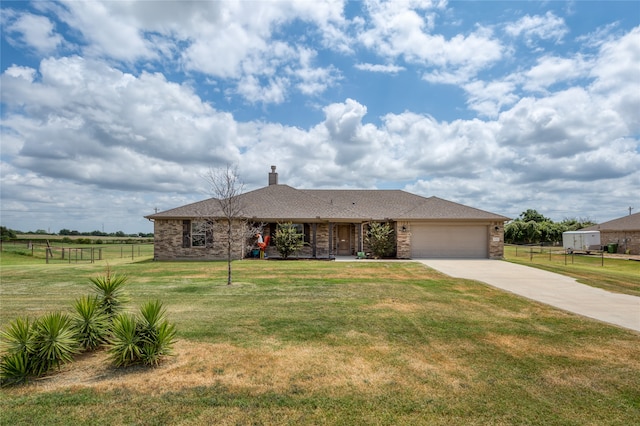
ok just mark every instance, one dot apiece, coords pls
pixel 380 239
pixel 288 240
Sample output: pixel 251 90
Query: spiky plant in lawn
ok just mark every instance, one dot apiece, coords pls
pixel 110 289
pixel 142 339
pixel 124 342
pixel 156 333
pixel 90 322
pixel 55 342
pixel 15 368
pixel 16 365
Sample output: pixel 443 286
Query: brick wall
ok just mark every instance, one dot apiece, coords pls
pixel 168 242
pixel 403 240
pixel 496 240
pixel 626 240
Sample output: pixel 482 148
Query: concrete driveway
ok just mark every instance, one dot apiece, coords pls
pixel 546 287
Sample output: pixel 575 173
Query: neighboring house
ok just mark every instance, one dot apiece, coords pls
pixel 625 232
pixel 334 223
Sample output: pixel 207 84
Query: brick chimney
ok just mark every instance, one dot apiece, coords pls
pixel 273 176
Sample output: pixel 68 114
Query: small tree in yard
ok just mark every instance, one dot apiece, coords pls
pixel 288 240
pixel 380 239
pixel 226 187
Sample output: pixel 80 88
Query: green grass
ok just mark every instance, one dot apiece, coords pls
pixel 302 342
pixel 618 275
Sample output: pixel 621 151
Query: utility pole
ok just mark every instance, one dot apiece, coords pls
pixel 630 208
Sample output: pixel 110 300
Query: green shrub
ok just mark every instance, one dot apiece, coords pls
pixel 90 322
pixel 380 239
pixel 124 343
pixel 15 368
pixel 156 333
pixel 288 240
pixel 143 339
pixel 110 289
pixel 18 338
pixel 16 365
pixel 55 342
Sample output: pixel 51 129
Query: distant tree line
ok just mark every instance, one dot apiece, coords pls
pixel 119 234
pixel 10 234
pixel 532 227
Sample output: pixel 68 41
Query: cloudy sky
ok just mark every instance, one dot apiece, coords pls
pixel 111 109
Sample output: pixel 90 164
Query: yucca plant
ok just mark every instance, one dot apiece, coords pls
pixel 110 289
pixel 90 322
pixel 55 341
pixel 142 339
pixel 156 333
pixel 124 342
pixel 18 338
pixel 15 368
pixel 16 365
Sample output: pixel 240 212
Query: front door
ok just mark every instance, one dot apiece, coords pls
pixel 344 240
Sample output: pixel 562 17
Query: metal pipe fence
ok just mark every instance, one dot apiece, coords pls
pixel 77 253
pixel 553 254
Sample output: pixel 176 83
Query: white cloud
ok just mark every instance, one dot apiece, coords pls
pixel 551 70
pixel 254 90
pixel 33 31
pixel 532 28
pixel 115 36
pixel 489 98
pixel 617 79
pixel 405 30
pixel 387 69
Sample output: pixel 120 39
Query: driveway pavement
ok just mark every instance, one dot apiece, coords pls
pixel 546 287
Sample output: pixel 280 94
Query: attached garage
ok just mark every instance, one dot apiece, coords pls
pixel 461 240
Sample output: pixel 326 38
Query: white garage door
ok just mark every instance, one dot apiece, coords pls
pixel 449 241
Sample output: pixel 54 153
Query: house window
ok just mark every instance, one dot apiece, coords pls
pixel 301 228
pixel 197 233
pixel 304 229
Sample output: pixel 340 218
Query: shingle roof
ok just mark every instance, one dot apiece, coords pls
pixel 626 223
pixel 282 202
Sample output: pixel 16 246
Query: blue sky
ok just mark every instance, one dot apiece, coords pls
pixel 113 109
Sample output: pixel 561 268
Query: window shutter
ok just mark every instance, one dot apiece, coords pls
pixel 186 233
pixel 209 234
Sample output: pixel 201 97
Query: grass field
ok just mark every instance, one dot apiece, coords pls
pixel 303 342
pixel 37 251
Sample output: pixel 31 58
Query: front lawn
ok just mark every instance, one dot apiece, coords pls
pixel 303 342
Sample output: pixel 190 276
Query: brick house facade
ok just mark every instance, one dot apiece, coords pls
pixel 624 231
pixel 334 223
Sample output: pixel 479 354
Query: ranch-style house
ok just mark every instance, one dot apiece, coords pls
pixel 333 222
